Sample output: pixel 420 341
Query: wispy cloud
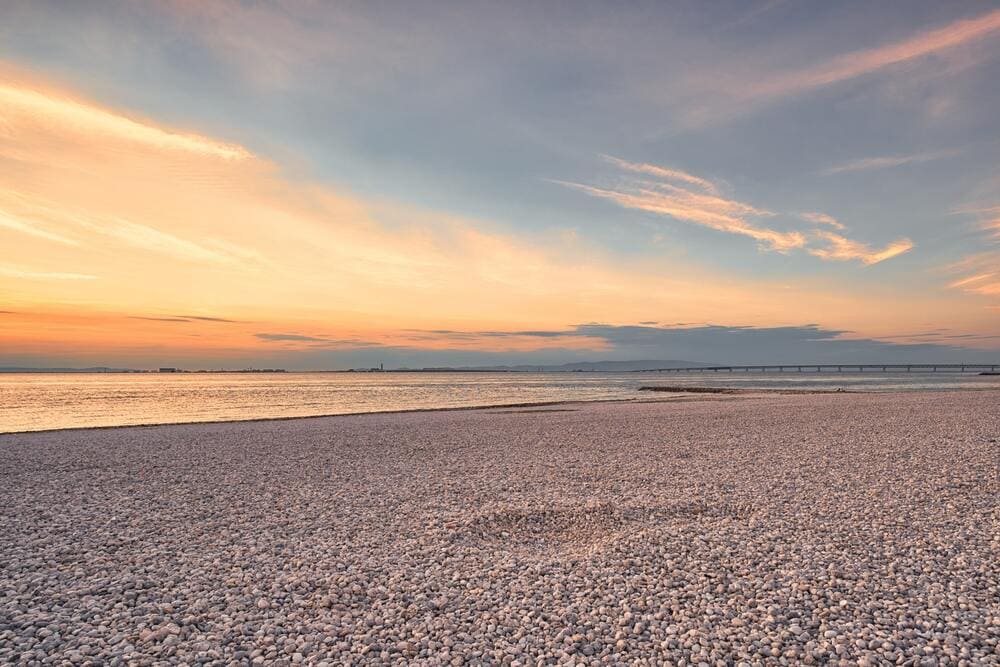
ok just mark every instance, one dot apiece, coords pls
pixel 991 223
pixel 320 342
pixel 205 318
pixel 27 274
pixel 841 248
pixel 154 240
pixel 9 220
pixel 978 273
pixel 987 218
pixel 183 318
pixel 823 219
pixel 756 12
pixel 886 162
pixel 158 319
pixel 24 214
pixel 683 196
pixel 729 95
pixel 838 247
pixel 276 337
pixel 859 63
pixel 971 282
pixel 982 210
pixel 687 197
pixel 664 173
pixel 28 101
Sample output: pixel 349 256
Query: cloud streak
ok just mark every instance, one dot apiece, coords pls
pixel 869 163
pixel 663 173
pixel 20 103
pixel 729 95
pixel 293 337
pixel 154 240
pixel 26 274
pixel 978 273
pixel 840 248
pixel 11 221
pixel 859 63
pixel 823 219
pixel 24 214
pixel 183 318
pixel 685 197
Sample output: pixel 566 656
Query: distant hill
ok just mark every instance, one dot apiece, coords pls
pixel 580 366
pixel 95 369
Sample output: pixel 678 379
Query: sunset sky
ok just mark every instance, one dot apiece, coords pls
pixel 327 185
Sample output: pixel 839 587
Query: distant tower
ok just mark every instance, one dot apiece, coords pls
pixel 381 366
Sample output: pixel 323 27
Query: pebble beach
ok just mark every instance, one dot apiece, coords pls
pixel 705 530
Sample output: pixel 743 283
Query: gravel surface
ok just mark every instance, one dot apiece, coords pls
pixel 856 528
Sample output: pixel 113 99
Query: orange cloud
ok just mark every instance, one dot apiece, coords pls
pixel 727 215
pixel 841 248
pixel 28 274
pixel 687 197
pixel 978 278
pixel 823 219
pixel 663 173
pixel 12 221
pixel 886 162
pixel 980 274
pixel 21 105
pixel 862 62
pixel 993 226
pixel 988 218
pixel 979 271
pixel 759 90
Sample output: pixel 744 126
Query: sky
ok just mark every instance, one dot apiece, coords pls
pixel 315 185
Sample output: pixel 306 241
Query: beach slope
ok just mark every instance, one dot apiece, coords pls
pixel 854 528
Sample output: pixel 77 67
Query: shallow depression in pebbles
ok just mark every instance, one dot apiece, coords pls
pixel 562 531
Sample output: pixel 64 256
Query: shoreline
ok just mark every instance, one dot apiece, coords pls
pixel 402 411
pixel 694 393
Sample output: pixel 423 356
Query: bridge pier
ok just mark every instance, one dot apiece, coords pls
pixel 837 368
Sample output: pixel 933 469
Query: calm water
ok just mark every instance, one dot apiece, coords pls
pixel 32 402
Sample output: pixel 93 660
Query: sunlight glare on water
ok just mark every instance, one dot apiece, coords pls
pixel 40 401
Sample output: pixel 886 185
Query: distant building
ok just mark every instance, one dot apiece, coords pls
pixel 168 370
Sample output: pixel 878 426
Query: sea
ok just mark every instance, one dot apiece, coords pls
pixel 45 401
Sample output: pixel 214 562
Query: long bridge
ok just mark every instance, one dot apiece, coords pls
pixel 835 368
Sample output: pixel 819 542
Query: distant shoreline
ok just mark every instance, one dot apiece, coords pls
pixel 694 369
